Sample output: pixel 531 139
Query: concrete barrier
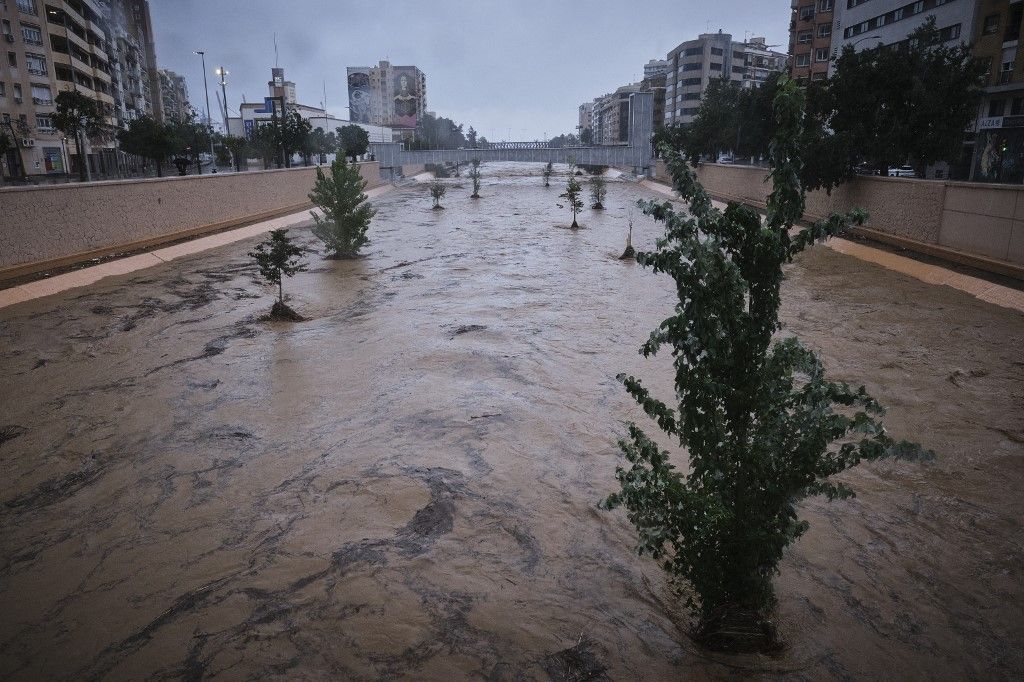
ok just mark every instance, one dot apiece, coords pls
pixel 51 226
pixel 976 224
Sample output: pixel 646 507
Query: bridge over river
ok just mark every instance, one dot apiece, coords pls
pixel 637 154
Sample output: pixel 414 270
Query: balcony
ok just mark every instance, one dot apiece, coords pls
pixel 42 101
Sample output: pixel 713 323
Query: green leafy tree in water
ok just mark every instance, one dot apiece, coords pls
pixel 761 424
pixel 572 196
pixel 346 215
pixel 548 170
pixel 598 191
pixel 474 175
pixel 437 191
pixel 277 258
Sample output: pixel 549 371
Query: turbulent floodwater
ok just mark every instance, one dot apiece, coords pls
pixel 405 485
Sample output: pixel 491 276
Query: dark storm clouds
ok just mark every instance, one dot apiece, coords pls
pixel 519 67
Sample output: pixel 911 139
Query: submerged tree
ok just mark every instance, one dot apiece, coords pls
pixel 548 170
pixel 761 424
pixel 277 258
pixel 346 215
pixel 474 175
pixel 572 196
pixel 437 190
pixel 598 191
pixel 629 252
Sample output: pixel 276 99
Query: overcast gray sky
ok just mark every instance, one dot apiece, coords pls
pixel 499 65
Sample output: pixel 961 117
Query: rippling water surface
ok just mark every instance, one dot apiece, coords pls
pixel 405 485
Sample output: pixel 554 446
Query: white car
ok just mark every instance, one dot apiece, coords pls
pixel 902 172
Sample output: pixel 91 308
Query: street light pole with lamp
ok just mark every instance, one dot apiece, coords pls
pixel 209 121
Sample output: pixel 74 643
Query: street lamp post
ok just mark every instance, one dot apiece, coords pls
pixel 209 121
pixel 223 73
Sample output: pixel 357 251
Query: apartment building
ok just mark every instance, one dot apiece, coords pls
pixel 998 153
pixel 586 119
pixel 864 24
pixel 55 45
pixel 810 38
pixel 174 95
pixel 387 95
pixel 694 64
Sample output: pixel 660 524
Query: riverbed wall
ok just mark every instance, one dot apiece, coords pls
pixel 51 226
pixel 976 224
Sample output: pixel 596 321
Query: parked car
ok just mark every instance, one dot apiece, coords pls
pixel 866 169
pixel 726 158
pixel 902 172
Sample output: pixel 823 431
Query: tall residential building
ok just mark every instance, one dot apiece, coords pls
pixel 136 83
pixel 998 153
pixel 586 119
pixel 864 24
pixel 387 95
pixel 174 95
pixel 655 67
pixel 810 38
pixel 279 87
pixel 693 64
pixel 611 116
pixel 63 45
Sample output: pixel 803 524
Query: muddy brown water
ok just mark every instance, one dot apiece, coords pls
pixel 405 485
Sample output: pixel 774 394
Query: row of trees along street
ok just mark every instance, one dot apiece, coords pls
pixel 882 107
pixel 183 142
pixel 438 132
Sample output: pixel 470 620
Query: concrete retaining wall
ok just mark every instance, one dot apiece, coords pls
pixel 970 222
pixel 50 226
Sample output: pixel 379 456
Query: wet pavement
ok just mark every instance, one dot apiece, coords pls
pixel 405 484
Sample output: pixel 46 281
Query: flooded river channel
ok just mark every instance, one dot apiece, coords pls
pixel 405 485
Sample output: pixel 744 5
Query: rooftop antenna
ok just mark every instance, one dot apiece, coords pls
pixel 275 51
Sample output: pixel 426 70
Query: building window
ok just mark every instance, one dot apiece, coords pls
pixel 17 93
pixel 691 95
pixel 824 30
pixel 12 60
pixel 695 66
pixel 824 5
pixel 917 7
pixel 804 36
pixel 7 30
pixel 3 89
pixel 691 51
pixel 803 59
pixel 819 76
pixel 690 81
pixel 714 67
pixel 1006 73
pixel 44 123
pixel 807 13
pixel 950 33
pixel 28 6
pixel 35 64
pixel 31 34
pixel 995 108
pixel 821 54
pixel 717 51
pixel 1017 106
pixel 41 94
pixel 689 112
pixel 991 24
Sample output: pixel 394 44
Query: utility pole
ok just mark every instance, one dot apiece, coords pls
pixel 209 121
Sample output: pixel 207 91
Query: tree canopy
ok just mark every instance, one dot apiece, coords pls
pixel 353 140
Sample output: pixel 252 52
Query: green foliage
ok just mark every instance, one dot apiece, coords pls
pixel 573 189
pixel 912 103
pixel 762 425
pixel 438 133
pixel 293 133
pixel 346 215
pixel 471 137
pixel 239 147
pixel 150 139
pixel 586 137
pixel 475 175
pixel 598 191
pixel 558 141
pixel 5 143
pixel 548 170
pixel 276 258
pixel 192 137
pixel 353 140
pixel 437 190
pixel 264 141
pixel 78 117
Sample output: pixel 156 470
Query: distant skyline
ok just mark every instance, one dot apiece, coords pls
pixel 513 68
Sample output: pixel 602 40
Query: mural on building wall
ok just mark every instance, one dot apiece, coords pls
pixel 359 95
pixel 407 95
